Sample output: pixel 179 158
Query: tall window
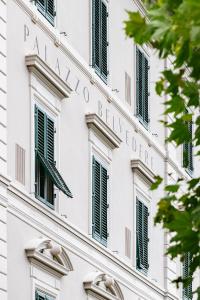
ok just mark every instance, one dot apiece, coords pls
pixel 142 87
pixel 46 174
pixel 99 38
pixel 141 236
pixel 46 7
pixel 187 291
pixel 99 202
pixel 188 151
pixel 43 296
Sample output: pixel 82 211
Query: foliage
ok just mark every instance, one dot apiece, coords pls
pixel 172 28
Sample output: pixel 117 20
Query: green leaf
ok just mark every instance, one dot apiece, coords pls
pixel 172 188
pixel 156 183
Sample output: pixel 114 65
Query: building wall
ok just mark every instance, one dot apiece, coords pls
pixel 69 224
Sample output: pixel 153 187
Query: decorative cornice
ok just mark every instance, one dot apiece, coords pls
pixel 102 286
pixel 44 253
pixel 141 169
pixel 103 130
pixel 43 71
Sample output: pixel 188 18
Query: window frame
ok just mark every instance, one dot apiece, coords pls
pixel 37 170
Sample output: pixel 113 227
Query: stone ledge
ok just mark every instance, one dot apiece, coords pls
pixel 101 128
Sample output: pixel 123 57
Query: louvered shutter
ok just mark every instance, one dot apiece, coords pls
pixel 142 87
pixel 104 205
pixel 187 291
pixel 99 38
pixel 50 10
pixel 104 42
pixel 41 4
pixel 145 237
pixel 44 135
pixel 139 87
pixel 141 236
pixel 96 199
pixel 99 199
pixel 145 90
pixel 190 149
pixel 49 140
pixel 96 34
pixel 39 131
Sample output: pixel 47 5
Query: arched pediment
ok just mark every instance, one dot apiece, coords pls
pixel 102 286
pixel 44 252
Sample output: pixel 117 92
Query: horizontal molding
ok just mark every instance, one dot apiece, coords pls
pixel 44 72
pixel 80 237
pixel 95 123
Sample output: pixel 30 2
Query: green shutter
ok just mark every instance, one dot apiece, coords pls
pixel 96 34
pixel 50 10
pixel 49 140
pixel 99 202
pixel 188 151
pixel 104 42
pixel 54 175
pixel 146 90
pixel 43 296
pixel 46 7
pixel 104 205
pixel 139 81
pixel 44 149
pixel 41 5
pixel 99 38
pixel 39 131
pixel 187 291
pixel 142 87
pixel 141 236
pixel 96 198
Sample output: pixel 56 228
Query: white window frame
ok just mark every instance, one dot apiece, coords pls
pixel 52 111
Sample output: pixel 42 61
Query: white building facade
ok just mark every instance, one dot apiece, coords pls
pixel 80 143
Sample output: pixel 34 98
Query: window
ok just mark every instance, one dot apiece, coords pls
pixel 142 88
pixel 99 38
pixel 99 202
pixel 188 151
pixel 46 174
pixel 46 7
pixel 141 236
pixel 42 296
pixel 187 291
